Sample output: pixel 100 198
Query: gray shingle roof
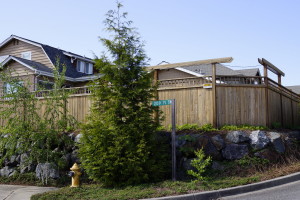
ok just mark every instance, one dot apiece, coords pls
pixel 221 70
pixel 249 72
pixel 206 70
pixel 34 64
pixel 294 88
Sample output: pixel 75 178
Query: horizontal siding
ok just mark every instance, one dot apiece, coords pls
pixel 37 53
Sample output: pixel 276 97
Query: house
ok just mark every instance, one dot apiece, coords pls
pixel 33 63
pixel 294 88
pixel 204 70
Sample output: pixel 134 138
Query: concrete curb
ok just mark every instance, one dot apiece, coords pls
pixel 215 194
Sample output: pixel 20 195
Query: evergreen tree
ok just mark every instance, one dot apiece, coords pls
pixel 118 144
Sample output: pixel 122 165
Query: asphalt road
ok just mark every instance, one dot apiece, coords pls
pixel 19 192
pixel 290 191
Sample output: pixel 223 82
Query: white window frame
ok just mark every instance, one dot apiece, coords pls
pixel 26 55
pixel 90 68
pixel 80 66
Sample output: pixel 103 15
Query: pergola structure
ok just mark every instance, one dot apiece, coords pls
pixel 269 66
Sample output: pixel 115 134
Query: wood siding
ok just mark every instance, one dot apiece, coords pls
pixel 23 73
pixel 16 48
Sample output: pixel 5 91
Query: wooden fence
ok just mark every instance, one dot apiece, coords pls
pixel 236 100
pixel 232 100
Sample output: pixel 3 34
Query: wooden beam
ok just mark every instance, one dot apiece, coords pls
pixel 279 79
pixel 199 62
pixel 270 66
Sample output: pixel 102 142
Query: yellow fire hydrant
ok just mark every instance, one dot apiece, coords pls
pixel 75 173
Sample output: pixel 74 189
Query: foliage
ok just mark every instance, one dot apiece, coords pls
pixel 242 127
pixel 207 128
pixel 200 164
pixel 118 144
pixel 252 161
pixel 26 131
pixel 187 127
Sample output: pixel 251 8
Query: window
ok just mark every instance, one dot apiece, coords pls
pixel 45 85
pixel 12 88
pixel 26 55
pixel 80 66
pixel 84 67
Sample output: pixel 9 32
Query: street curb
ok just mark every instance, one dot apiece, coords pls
pixel 215 194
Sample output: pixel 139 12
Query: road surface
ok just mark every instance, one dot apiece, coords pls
pixel 290 191
pixel 19 192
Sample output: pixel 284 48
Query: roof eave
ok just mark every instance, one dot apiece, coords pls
pixel 184 64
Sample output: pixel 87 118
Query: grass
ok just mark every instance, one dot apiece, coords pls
pixel 167 188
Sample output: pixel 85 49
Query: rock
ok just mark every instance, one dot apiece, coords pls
pixel 72 136
pixel 268 154
pixel 277 142
pixel 217 166
pixel 235 151
pixel 44 171
pixel 78 137
pixel 237 137
pixel 7 171
pixel 27 168
pixel 208 147
pixel 13 161
pixel 24 159
pixel 186 165
pixel 218 142
pixel 259 139
pixel 74 157
pixel 68 159
pixel 293 135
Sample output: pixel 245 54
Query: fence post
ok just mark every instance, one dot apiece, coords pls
pixel 214 97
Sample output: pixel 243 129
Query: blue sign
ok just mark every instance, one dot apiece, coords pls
pixel 162 102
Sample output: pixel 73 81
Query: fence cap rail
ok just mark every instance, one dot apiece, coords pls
pixel 199 62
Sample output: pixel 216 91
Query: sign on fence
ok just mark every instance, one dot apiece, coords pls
pixel 162 102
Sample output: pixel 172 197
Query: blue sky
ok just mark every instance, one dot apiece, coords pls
pixel 173 30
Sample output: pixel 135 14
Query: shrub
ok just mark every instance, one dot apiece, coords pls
pixel 118 144
pixel 200 164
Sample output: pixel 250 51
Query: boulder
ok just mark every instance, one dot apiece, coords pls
pixel 74 157
pixel 78 137
pixel 217 166
pixel 186 164
pixel 237 137
pixel 277 142
pixel 218 142
pixel 208 147
pixel 44 171
pixel 259 139
pixel 293 135
pixel 72 136
pixel 268 154
pixel 7 171
pixel 13 161
pixel 235 151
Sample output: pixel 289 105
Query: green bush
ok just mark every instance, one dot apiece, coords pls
pixel 242 127
pixel 118 144
pixel 200 164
